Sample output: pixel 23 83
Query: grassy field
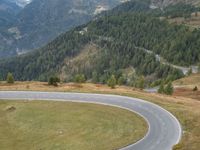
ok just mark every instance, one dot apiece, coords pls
pixel 187 110
pixel 189 82
pixel 186 85
pixel 37 125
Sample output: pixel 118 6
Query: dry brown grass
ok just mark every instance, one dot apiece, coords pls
pixel 185 86
pixel 185 92
pixel 63 87
pixel 193 22
pixel 189 82
pixel 187 110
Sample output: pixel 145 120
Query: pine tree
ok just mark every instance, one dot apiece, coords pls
pixel 1 79
pixel 161 88
pixel 189 72
pixel 10 78
pixel 199 68
pixel 195 88
pixel 79 78
pixel 82 78
pixel 53 81
pixel 141 83
pixel 112 82
pixel 169 89
pixel 94 77
pixel 121 80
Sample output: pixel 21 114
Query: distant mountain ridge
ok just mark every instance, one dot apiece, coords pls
pixel 43 20
pixel 8 10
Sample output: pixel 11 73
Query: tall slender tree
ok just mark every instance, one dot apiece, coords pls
pixel 112 82
pixel 10 78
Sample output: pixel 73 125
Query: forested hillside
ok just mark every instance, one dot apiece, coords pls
pixel 112 44
pixel 43 20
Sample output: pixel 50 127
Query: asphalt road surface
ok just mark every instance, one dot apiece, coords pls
pixel 164 129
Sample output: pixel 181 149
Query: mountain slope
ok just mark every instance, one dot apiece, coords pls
pixel 43 20
pixel 8 10
pixel 111 44
pixel 114 39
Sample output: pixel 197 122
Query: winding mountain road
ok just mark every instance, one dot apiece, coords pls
pixel 164 129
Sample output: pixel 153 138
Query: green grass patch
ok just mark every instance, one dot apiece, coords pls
pixel 38 125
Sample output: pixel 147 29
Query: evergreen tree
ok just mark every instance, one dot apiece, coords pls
pixel 53 81
pixel 121 80
pixel 10 78
pixel 112 82
pixel 189 72
pixel 94 77
pixel 196 14
pixel 141 83
pixel 199 68
pixel 132 80
pixel 82 78
pixel 195 88
pixel 79 78
pixel 161 88
pixel 169 89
